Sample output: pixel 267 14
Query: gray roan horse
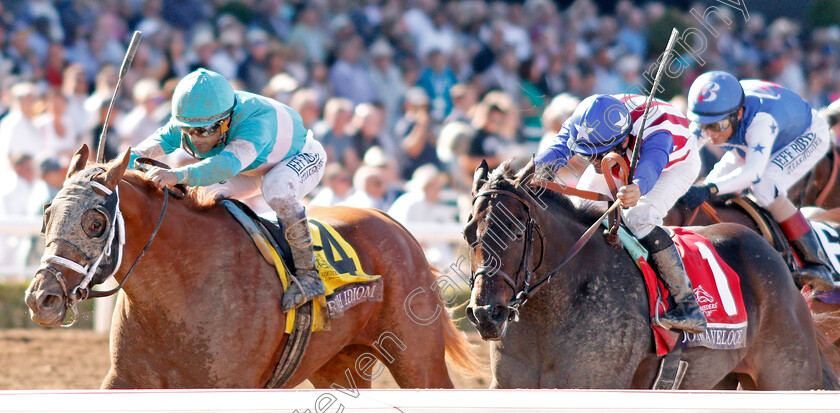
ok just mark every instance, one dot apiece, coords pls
pixel 589 327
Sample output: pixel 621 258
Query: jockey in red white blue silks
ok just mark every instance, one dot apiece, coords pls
pixel 668 164
pixel 246 143
pixel 774 138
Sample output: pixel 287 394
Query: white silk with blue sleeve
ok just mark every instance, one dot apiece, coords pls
pixel 669 161
pixel 780 138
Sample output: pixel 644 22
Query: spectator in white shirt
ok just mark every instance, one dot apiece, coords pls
pixel 44 189
pixel 59 130
pixel 15 191
pixel 421 205
pixel 140 122
pixel 370 189
pixel 421 202
pixel 18 133
pixel 338 186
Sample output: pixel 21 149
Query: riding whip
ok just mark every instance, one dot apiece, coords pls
pixel 638 142
pixel 126 63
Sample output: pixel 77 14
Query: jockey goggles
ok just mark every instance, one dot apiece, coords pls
pixel 620 149
pixel 718 126
pixel 204 131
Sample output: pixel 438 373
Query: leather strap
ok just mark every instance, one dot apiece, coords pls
pixel 671 370
pixel 568 190
pixel 710 211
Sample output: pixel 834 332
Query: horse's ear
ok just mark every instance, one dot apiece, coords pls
pixel 524 177
pixel 116 172
pixel 480 176
pixel 79 161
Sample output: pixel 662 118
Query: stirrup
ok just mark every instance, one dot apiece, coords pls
pixel 297 295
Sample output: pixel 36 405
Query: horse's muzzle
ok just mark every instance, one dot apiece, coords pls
pixel 45 300
pixel 489 320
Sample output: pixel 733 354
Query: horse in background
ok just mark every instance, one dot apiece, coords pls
pixel 589 326
pixel 821 186
pixel 202 309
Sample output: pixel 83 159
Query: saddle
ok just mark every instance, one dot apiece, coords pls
pixel 345 282
pixel 716 289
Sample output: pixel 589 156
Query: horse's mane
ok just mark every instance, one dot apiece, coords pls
pixel 194 199
pixel 504 177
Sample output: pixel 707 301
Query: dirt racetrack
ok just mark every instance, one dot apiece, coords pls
pixel 79 359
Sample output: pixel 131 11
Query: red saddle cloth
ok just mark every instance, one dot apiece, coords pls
pixel 718 291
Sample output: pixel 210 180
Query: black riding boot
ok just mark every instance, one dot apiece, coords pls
pixel 816 270
pixel 306 284
pixel 686 315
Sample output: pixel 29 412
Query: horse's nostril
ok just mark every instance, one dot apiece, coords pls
pixel 499 313
pixel 471 315
pixel 51 301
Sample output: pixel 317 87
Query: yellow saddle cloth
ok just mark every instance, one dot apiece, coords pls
pixel 338 264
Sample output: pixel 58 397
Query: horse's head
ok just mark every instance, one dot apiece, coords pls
pixel 84 233
pixel 506 244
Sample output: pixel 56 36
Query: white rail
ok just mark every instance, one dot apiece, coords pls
pixel 415 401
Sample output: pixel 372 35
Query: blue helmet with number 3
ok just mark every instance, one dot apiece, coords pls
pixel 604 123
pixel 714 96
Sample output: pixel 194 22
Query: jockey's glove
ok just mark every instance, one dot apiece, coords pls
pixel 698 194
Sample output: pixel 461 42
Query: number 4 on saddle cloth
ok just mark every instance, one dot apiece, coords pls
pixel 338 265
pixel 717 289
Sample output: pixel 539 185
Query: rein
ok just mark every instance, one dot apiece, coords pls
pixel 706 208
pixel 521 296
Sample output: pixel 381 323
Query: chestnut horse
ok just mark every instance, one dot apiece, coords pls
pixel 820 186
pixel 589 325
pixel 826 315
pixel 202 308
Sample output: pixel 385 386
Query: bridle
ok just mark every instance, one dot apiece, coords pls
pixel 116 236
pixel 521 295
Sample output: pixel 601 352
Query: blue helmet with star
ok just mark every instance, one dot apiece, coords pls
pixel 713 96
pixel 604 122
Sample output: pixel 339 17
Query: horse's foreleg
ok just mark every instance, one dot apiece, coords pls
pixel 341 370
pixel 113 381
pixel 421 364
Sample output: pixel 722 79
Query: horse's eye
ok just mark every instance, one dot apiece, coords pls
pixel 93 223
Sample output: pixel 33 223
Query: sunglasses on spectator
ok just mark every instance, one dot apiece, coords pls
pixel 203 131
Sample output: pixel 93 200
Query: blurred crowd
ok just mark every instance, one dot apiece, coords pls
pixel 407 96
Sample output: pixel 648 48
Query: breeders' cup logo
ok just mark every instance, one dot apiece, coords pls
pixel 706 300
pixel 709 92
